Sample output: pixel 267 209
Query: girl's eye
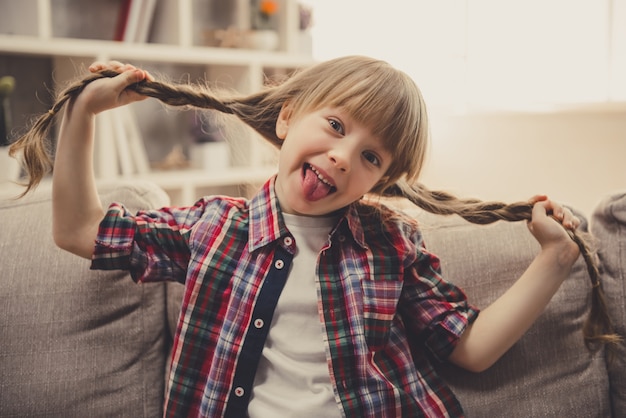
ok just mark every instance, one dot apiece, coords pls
pixel 372 158
pixel 336 125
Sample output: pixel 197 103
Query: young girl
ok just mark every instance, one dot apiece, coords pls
pixel 305 300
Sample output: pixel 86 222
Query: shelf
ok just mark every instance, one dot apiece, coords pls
pixel 51 33
pixel 169 179
pixel 186 186
pixel 96 49
pixel 182 185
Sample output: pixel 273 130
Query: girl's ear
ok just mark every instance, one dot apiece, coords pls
pixel 282 123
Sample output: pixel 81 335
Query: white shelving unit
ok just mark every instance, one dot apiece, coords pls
pixel 30 28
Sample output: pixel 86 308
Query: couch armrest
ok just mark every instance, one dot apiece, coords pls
pixel 76 342
pixel 608 225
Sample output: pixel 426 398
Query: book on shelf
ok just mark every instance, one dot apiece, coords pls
pixel 130 150
pixel 134 20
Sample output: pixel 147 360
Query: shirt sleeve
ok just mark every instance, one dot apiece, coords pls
pixel 437 310
pixel 152 245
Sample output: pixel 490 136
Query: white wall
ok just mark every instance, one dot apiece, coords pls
pixel 574 156
pixel 503 53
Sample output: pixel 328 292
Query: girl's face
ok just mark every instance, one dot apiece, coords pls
pixel 327 161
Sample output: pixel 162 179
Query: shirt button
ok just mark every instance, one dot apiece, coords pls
pixel 258 323
pixel 342 238
pixel 279 264
pixel 288 241
pixel 239 392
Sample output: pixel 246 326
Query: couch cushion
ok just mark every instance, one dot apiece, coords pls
pixel 75 342
pixel 549 372
pixel 608 225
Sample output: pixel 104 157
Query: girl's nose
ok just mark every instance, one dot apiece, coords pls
pixel 340 158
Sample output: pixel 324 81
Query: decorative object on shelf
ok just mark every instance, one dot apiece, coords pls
pixel 263 24
pixel 9 167
pixel 263 40
pixel 230 37
pixel 210 151
pixel 221 23
pixel 305 13
pixel 260 34
pixel 263 14
pixel 305 39
pixel 175 160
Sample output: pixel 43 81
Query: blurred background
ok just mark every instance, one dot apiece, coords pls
pixel 524 97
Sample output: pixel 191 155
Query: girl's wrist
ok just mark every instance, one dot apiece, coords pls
pixel 80 107
pixel 564 253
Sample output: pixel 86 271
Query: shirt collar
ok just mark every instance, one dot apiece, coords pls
pixel 267 224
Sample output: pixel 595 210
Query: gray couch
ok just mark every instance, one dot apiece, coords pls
pixel 81 343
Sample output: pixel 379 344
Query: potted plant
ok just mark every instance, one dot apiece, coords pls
pixel 263 24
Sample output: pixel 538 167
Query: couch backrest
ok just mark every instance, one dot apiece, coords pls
pixel 549 372
pixel 75 342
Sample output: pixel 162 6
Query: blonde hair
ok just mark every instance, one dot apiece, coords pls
pixel 375 94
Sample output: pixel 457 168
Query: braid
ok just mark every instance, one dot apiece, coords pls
pixel 36 154
pixel 246 108
pixel 597 329
pixel 260 111
pixel 473 210
pixel 255 110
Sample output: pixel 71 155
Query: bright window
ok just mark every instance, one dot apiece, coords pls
pixel 486 52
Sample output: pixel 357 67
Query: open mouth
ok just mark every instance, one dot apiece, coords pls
pixel 316 186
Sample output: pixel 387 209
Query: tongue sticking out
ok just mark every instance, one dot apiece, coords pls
pixel 314 188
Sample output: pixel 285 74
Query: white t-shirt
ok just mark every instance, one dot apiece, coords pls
pixel 292 379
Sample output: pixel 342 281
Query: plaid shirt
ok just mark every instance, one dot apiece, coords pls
pixel 384 307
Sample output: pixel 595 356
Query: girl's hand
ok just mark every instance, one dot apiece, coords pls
pixel 504 322
pixel 108 93
pixel 548 224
